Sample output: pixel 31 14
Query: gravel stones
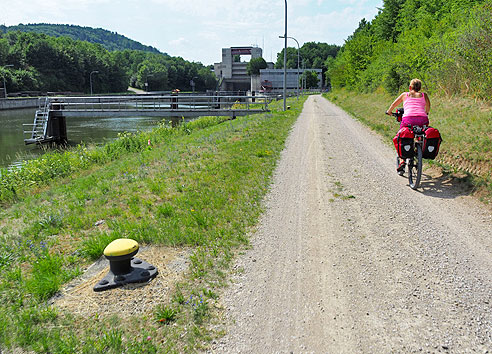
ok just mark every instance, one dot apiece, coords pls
pixel 350 259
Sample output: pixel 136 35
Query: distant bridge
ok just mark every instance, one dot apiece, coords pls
pixel 50 118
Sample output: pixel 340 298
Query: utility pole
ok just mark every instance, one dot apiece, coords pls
pixel 285 59
pixel 192 83
pixel 147 82
pixel 90 77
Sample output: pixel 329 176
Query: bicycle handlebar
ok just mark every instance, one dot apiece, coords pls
pixel 398 114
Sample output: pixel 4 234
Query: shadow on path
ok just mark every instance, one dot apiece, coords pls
pixel 445 185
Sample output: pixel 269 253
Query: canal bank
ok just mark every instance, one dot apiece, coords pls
pixel 18 103
pixel 81 129
pixel 197 188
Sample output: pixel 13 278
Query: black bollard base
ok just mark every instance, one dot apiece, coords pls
pixel 140 272
pixel 124 268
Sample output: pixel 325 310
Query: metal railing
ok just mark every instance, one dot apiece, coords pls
pixel 174 105
pixel 166 103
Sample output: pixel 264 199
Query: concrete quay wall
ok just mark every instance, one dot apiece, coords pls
pixel 17 103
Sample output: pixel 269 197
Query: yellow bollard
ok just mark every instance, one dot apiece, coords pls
pixel 124 268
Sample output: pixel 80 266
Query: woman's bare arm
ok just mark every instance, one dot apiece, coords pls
pixel 395 104
pixel 427 104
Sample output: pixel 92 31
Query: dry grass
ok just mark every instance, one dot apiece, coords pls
pixel 79 299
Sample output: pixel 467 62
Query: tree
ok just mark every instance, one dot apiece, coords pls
pixel 318 63
pixel 291 59
pixel 255 65
pixel 310 78
pixel 387 19
pixel 446 43
pixel 316 53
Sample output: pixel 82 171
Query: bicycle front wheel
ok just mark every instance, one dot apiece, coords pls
pixel 415 169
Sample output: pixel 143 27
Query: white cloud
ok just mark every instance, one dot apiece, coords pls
pixel 179 42
pixel 198 29
pixel 218 8
pixel 353 2
pixel 48 11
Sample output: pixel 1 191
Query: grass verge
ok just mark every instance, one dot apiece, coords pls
pixel 198 186
pixel 465 125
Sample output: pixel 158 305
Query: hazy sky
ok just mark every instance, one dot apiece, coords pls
pixel 197 30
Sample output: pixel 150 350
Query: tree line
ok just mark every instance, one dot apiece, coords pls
pixel 446 43
pixel 46 63
pixel 311 55
pixel 109 40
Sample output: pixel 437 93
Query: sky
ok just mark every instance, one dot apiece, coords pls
pixel 197 30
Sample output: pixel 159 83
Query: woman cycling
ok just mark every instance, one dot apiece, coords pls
pixel 416 106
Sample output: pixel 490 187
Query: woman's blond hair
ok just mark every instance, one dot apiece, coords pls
pixel 416 85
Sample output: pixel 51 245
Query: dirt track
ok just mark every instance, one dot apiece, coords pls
pixel 348 259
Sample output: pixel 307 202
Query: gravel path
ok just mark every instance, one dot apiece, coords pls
pixel 348 259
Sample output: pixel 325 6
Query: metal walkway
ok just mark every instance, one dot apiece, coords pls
pixel 49 121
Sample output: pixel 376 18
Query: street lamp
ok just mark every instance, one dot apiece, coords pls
pixel 147 82
pixel 298 56
pixel 192 83
pixel 90 77
pixel 285 58
pixel 303 75
pixel 4 85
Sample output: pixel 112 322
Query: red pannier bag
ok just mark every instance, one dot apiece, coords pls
pixel 404 143
pixel 432 141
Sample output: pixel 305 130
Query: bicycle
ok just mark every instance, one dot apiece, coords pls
pixel 413 163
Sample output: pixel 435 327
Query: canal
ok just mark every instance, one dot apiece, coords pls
pixel 86 130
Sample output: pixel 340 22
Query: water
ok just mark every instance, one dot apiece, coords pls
pixel 87 130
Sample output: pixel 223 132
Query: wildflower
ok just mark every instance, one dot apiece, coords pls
pixel 149 337
pixel 148 142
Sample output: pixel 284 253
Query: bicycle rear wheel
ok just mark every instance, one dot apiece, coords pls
pixel 415 169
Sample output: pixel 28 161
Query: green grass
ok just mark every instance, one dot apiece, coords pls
pixel 165 314
pixel 198 186
pixel 465 126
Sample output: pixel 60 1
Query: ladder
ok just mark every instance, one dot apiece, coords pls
pixel 40 126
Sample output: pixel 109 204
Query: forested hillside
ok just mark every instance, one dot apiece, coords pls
pixel 45 63
pixel 109 40
pixel 446 43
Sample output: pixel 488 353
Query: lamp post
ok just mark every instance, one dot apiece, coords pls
pixel 4 85
pixel 192 83
pixel 285 58
pixel 298 59
pixel 303 86
pixel 90 77
pixel 147 82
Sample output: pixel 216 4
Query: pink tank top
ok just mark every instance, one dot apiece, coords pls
pixel 414 107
